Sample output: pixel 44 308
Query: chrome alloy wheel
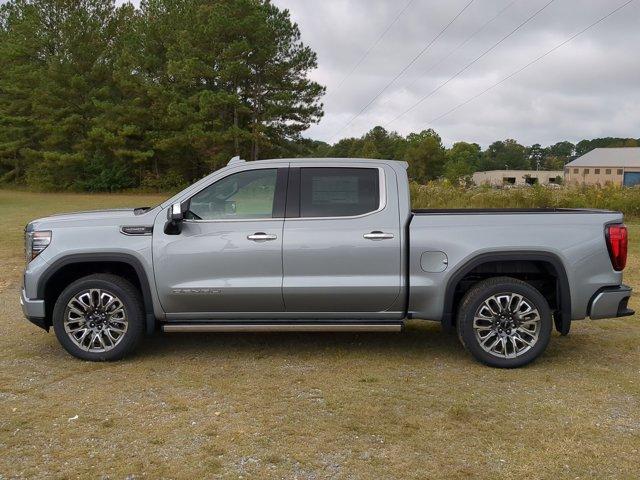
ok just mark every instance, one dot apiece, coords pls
pixel 95 320
pixel 507 325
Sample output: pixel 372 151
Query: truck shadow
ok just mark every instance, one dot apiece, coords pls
pixel 418 337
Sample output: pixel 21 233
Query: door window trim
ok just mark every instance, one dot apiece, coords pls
pixel 279 197
pixel 292 211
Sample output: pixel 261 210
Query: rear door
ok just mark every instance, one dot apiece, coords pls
pixel 341 241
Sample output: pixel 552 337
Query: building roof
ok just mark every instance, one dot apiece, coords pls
pixel 609 157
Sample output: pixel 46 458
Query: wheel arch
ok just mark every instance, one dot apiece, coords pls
pixel 550 260
pixel 67 269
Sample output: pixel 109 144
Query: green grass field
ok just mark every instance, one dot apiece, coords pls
pixel 354 406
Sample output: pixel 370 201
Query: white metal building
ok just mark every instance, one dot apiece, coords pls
pixel 601 166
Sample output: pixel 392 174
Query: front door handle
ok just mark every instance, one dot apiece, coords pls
pixel 261 236
pixel 377 235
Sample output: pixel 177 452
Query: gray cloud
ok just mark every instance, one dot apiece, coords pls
pixel 588 88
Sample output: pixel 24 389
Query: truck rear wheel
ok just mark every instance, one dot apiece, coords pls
pixel 99 317
pixel 504 322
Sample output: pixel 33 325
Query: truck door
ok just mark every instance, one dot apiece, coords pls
pixel 228 257
pixel 341 242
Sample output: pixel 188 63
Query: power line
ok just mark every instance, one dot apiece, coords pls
pixel 413 60
pixel 464 42
pixel 548 52
pixel 468 65
pixel 374 45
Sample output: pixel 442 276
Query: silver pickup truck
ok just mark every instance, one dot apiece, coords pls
pixel 317 245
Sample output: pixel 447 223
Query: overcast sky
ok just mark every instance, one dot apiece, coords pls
pixel 588 88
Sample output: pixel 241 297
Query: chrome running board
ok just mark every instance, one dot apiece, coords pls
pixel 281 327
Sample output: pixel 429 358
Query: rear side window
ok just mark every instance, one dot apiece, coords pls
pixel 338 192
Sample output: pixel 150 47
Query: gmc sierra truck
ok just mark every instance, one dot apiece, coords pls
pixel 317 245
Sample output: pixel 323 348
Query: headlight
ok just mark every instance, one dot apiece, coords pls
pixel 36 242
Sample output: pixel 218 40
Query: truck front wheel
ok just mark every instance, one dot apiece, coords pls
pixel 504 322
pixel 99 317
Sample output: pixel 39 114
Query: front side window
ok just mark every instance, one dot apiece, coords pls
pixel 242 195
pixel 338 192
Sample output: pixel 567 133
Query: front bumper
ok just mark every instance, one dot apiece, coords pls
pixel 34 310
pixel 610 302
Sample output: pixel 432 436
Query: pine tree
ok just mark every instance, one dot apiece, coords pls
pixel 95 97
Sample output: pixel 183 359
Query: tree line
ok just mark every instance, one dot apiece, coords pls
pixel 429 159
pixel 95 96
pixel 100 97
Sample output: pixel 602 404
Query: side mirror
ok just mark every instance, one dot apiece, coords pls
pixel 175 216
pixel 176 212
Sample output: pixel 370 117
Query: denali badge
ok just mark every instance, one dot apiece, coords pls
pixel 195 291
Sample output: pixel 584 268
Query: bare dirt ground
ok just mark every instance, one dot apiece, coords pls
pixel 352 406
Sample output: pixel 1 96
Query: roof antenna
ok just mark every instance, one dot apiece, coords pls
pixel 235 160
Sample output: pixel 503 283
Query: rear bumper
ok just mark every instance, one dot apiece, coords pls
pixel 611 302
pixel 33 310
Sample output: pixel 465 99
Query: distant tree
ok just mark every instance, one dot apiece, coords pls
pixel 458 172
pixel 561 149
pixel 552 162
pixel 468 153
pixel 369 149
pixel 585 146
pixel 536 154
pixel 346 148
pixel 306 147
pixel 384 143
pixel 507 154
pixel 425 155
pixel 461 161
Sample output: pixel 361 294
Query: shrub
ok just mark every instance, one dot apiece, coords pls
pixel 167 182
pixel 442 194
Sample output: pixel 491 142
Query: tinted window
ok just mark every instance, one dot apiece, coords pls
pixel 247 194
pixel 338 192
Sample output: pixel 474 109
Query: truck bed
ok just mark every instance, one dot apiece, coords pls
pixel 574 238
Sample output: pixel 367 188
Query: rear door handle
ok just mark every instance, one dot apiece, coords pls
pixel 377 235
pixel 261 236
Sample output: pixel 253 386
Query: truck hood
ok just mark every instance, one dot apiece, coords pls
pixel 93 217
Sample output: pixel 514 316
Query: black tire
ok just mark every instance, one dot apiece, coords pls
pixel 472 301
pixel 133 309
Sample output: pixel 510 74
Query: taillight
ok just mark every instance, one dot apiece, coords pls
pixel 617 245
